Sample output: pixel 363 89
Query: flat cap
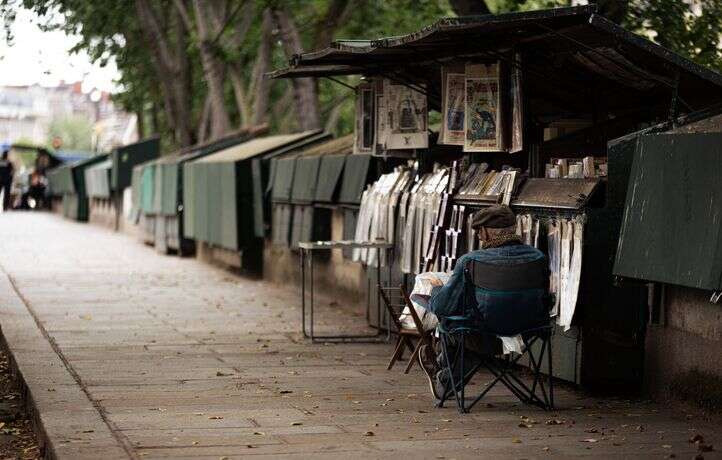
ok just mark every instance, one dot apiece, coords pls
pixel 497 216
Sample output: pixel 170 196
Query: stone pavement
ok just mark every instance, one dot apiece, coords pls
pixel 130 354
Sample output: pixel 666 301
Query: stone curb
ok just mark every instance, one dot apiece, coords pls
pixel 67 422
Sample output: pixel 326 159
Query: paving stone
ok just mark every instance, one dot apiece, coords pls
pixel 170 358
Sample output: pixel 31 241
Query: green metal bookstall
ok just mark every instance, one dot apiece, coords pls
pixel 218 197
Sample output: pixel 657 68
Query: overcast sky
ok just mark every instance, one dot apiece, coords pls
pixel 43 57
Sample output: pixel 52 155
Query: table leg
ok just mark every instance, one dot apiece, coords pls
pixel 378 288
pixel 303 292
pixel 310 262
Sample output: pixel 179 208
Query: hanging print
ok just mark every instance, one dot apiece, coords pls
pixel 408 120
pixel 482 114
pixel 452 128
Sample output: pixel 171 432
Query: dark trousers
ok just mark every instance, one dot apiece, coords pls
pixel 476 347
pixel 5 190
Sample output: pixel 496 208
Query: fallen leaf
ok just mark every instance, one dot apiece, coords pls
pixel 369 433
pixel 215 417
pixel 86 317
pixel 516 441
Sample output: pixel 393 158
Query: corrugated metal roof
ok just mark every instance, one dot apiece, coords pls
pixel 564 50
pixel 254 147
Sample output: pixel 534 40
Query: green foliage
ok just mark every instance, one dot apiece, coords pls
pixel 111 28
pixel 75 131
pixel 691 29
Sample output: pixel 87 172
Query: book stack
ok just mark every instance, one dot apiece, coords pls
pixel 479 183
pixel 576 168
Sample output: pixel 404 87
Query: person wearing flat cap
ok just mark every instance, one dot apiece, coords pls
pixel 500 245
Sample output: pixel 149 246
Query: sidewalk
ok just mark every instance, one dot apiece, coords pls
pixel 130 354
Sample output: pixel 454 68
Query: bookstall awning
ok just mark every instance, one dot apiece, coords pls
pixel 283 179
pixel 305 179
pixel 60 180
pixel 567 52
pixel 127 156
pixel 262 172
pixel 97 179
pixel 671 227
pixel 355 178
pixel 329 175
pixel 224 214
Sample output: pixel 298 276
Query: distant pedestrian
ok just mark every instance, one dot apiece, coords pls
pixel 6 179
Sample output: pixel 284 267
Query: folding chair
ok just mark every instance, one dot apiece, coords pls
pixel 500 280
pixel 396 300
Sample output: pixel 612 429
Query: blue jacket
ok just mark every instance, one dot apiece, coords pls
pixel 449 299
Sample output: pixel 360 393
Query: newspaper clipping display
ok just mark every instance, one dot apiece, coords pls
pixel 452 126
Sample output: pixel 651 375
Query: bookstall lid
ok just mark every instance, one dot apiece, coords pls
pixel 283 179
pixel 355 178
pixel 304 179
pixel 556 193
pixel 254 147
pixel 329 175
pixel 670 229
pixel 127 156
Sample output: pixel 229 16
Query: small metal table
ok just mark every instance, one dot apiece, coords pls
pixel 307 248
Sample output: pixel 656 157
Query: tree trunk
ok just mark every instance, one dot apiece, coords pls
pixel 176 99
pixel 260 85
pixel 139 123
pixel 337 14
pixel 614 10
pixel 212 70
pixel 304 89
pixel 203 122
pixel 469 7
pixel 240 93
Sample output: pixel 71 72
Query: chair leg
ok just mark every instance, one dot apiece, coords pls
pixel 398 352
pixel 414 356
pixel 551 374
pixel 462 400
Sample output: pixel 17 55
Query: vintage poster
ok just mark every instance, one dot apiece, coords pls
pixel 482 115
pixel 382 115
pixel 452 127
pixel 408 118
pixel 365 127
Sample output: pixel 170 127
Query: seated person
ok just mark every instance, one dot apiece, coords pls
pixel 500 245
